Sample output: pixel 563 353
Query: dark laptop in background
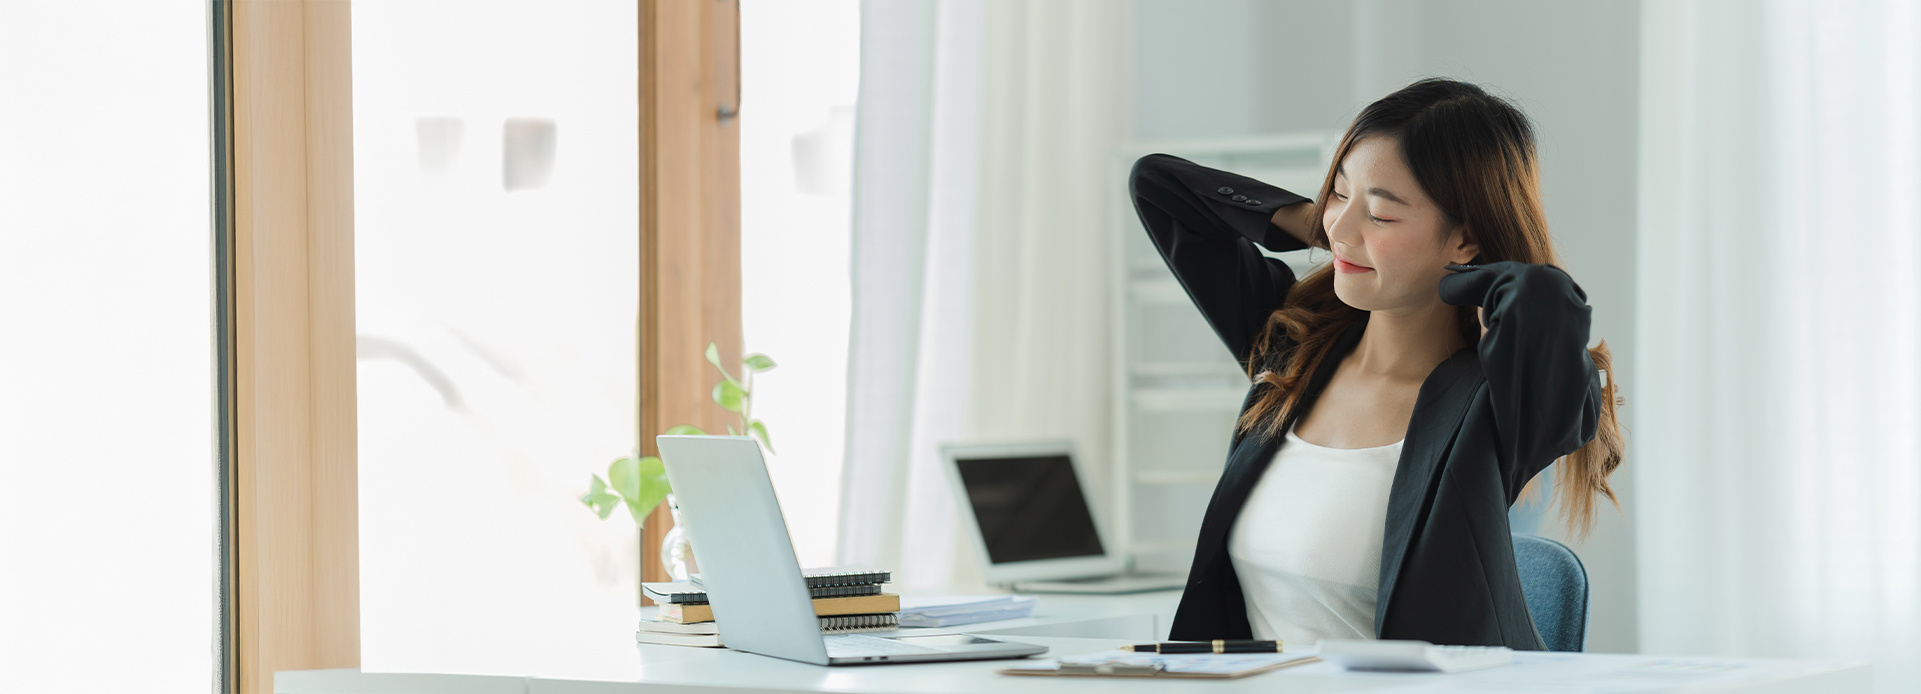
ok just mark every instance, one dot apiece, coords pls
pixel 1034 526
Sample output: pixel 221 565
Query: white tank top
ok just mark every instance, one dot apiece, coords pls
pixel 1307 545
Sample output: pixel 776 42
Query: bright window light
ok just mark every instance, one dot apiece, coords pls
pixel 109 515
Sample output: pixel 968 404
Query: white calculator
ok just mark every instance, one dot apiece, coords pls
pixel 1411 656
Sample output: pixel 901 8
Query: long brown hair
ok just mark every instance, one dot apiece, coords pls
pixel 1474 154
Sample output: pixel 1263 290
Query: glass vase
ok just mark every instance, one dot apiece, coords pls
pixel 676 553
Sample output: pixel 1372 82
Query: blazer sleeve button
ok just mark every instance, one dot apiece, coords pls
pixel 1224 190
pixel 1239 198
pixel 1253 202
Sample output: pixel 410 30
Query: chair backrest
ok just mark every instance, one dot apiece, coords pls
pixel 1555 584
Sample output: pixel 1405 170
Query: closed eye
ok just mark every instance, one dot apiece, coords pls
pixel 1339 196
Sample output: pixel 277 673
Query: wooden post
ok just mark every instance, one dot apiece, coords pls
pixel 689 222
pixel 289 301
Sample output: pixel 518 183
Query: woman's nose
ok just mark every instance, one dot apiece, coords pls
pixel 1343 229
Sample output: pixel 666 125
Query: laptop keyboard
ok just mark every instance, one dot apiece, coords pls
pixel 856 645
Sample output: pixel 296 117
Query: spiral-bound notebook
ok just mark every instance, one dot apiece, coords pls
pixel 687 613
pixel 685 592
pixel 850 623
pixel 834 576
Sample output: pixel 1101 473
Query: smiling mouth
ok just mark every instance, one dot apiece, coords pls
pixel 1349 268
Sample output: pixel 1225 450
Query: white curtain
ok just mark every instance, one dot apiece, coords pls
pixel 1779 469
pixel 893 126
pixel 980 292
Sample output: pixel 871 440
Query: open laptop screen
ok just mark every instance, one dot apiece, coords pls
pixel 1029 508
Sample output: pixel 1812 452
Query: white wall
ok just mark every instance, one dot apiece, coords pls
pixel 1216 68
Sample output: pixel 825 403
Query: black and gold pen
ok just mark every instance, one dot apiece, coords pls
pixel 1215 646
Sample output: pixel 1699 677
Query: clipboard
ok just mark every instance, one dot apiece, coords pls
pixel 1119 663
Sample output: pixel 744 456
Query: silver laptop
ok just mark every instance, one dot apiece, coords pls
pixel 752 578
pixel 1034 525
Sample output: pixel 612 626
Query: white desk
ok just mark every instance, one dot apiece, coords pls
pixel 1069 625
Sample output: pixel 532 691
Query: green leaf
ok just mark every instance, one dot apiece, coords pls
pixel 731 432
pixel 760 430
pixel 758 362
pixel 713 357
pixel 598 499
pixel 595 489
pixel 729 396
pixel 685 430
pixel 653 488
pixel 624 476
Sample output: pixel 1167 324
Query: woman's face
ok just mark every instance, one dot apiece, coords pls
pixel 1391 243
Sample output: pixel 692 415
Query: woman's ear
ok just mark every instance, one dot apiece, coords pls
pixel 1462 246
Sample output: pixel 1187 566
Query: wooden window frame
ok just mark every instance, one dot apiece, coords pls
pixel 689 222
pixel 286 266
pixel 283 111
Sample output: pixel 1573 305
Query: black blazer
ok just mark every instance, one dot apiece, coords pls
pixel 1486 420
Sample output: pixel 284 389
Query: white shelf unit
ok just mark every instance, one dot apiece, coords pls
pixel 1178 388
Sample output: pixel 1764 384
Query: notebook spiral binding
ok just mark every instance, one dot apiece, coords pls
pixel 849 623
pixel 821 578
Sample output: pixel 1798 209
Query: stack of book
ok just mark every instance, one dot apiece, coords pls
pixel 703 634
pixel 846 600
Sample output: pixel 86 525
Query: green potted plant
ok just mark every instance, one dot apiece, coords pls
pixel 640 482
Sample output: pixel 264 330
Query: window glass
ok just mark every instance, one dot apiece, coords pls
pixel 109 516
pixel 496 242
pixel 800 72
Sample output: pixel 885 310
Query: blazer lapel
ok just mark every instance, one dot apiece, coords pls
pixel 1252 453
pixel 1438 412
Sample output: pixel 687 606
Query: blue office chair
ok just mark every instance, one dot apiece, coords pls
pixel 1555 585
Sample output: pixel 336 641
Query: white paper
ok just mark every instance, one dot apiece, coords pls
pixel 938 604
pixel 953 611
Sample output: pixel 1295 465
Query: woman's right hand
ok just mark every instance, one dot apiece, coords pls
pixel 1297 220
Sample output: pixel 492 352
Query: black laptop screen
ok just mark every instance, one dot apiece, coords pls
pixel 1029 508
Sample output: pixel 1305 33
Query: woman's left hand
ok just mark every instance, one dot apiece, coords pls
pixel 1542 381
pixel 1480 313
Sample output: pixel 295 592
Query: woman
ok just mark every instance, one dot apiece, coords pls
pixel 1404 395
